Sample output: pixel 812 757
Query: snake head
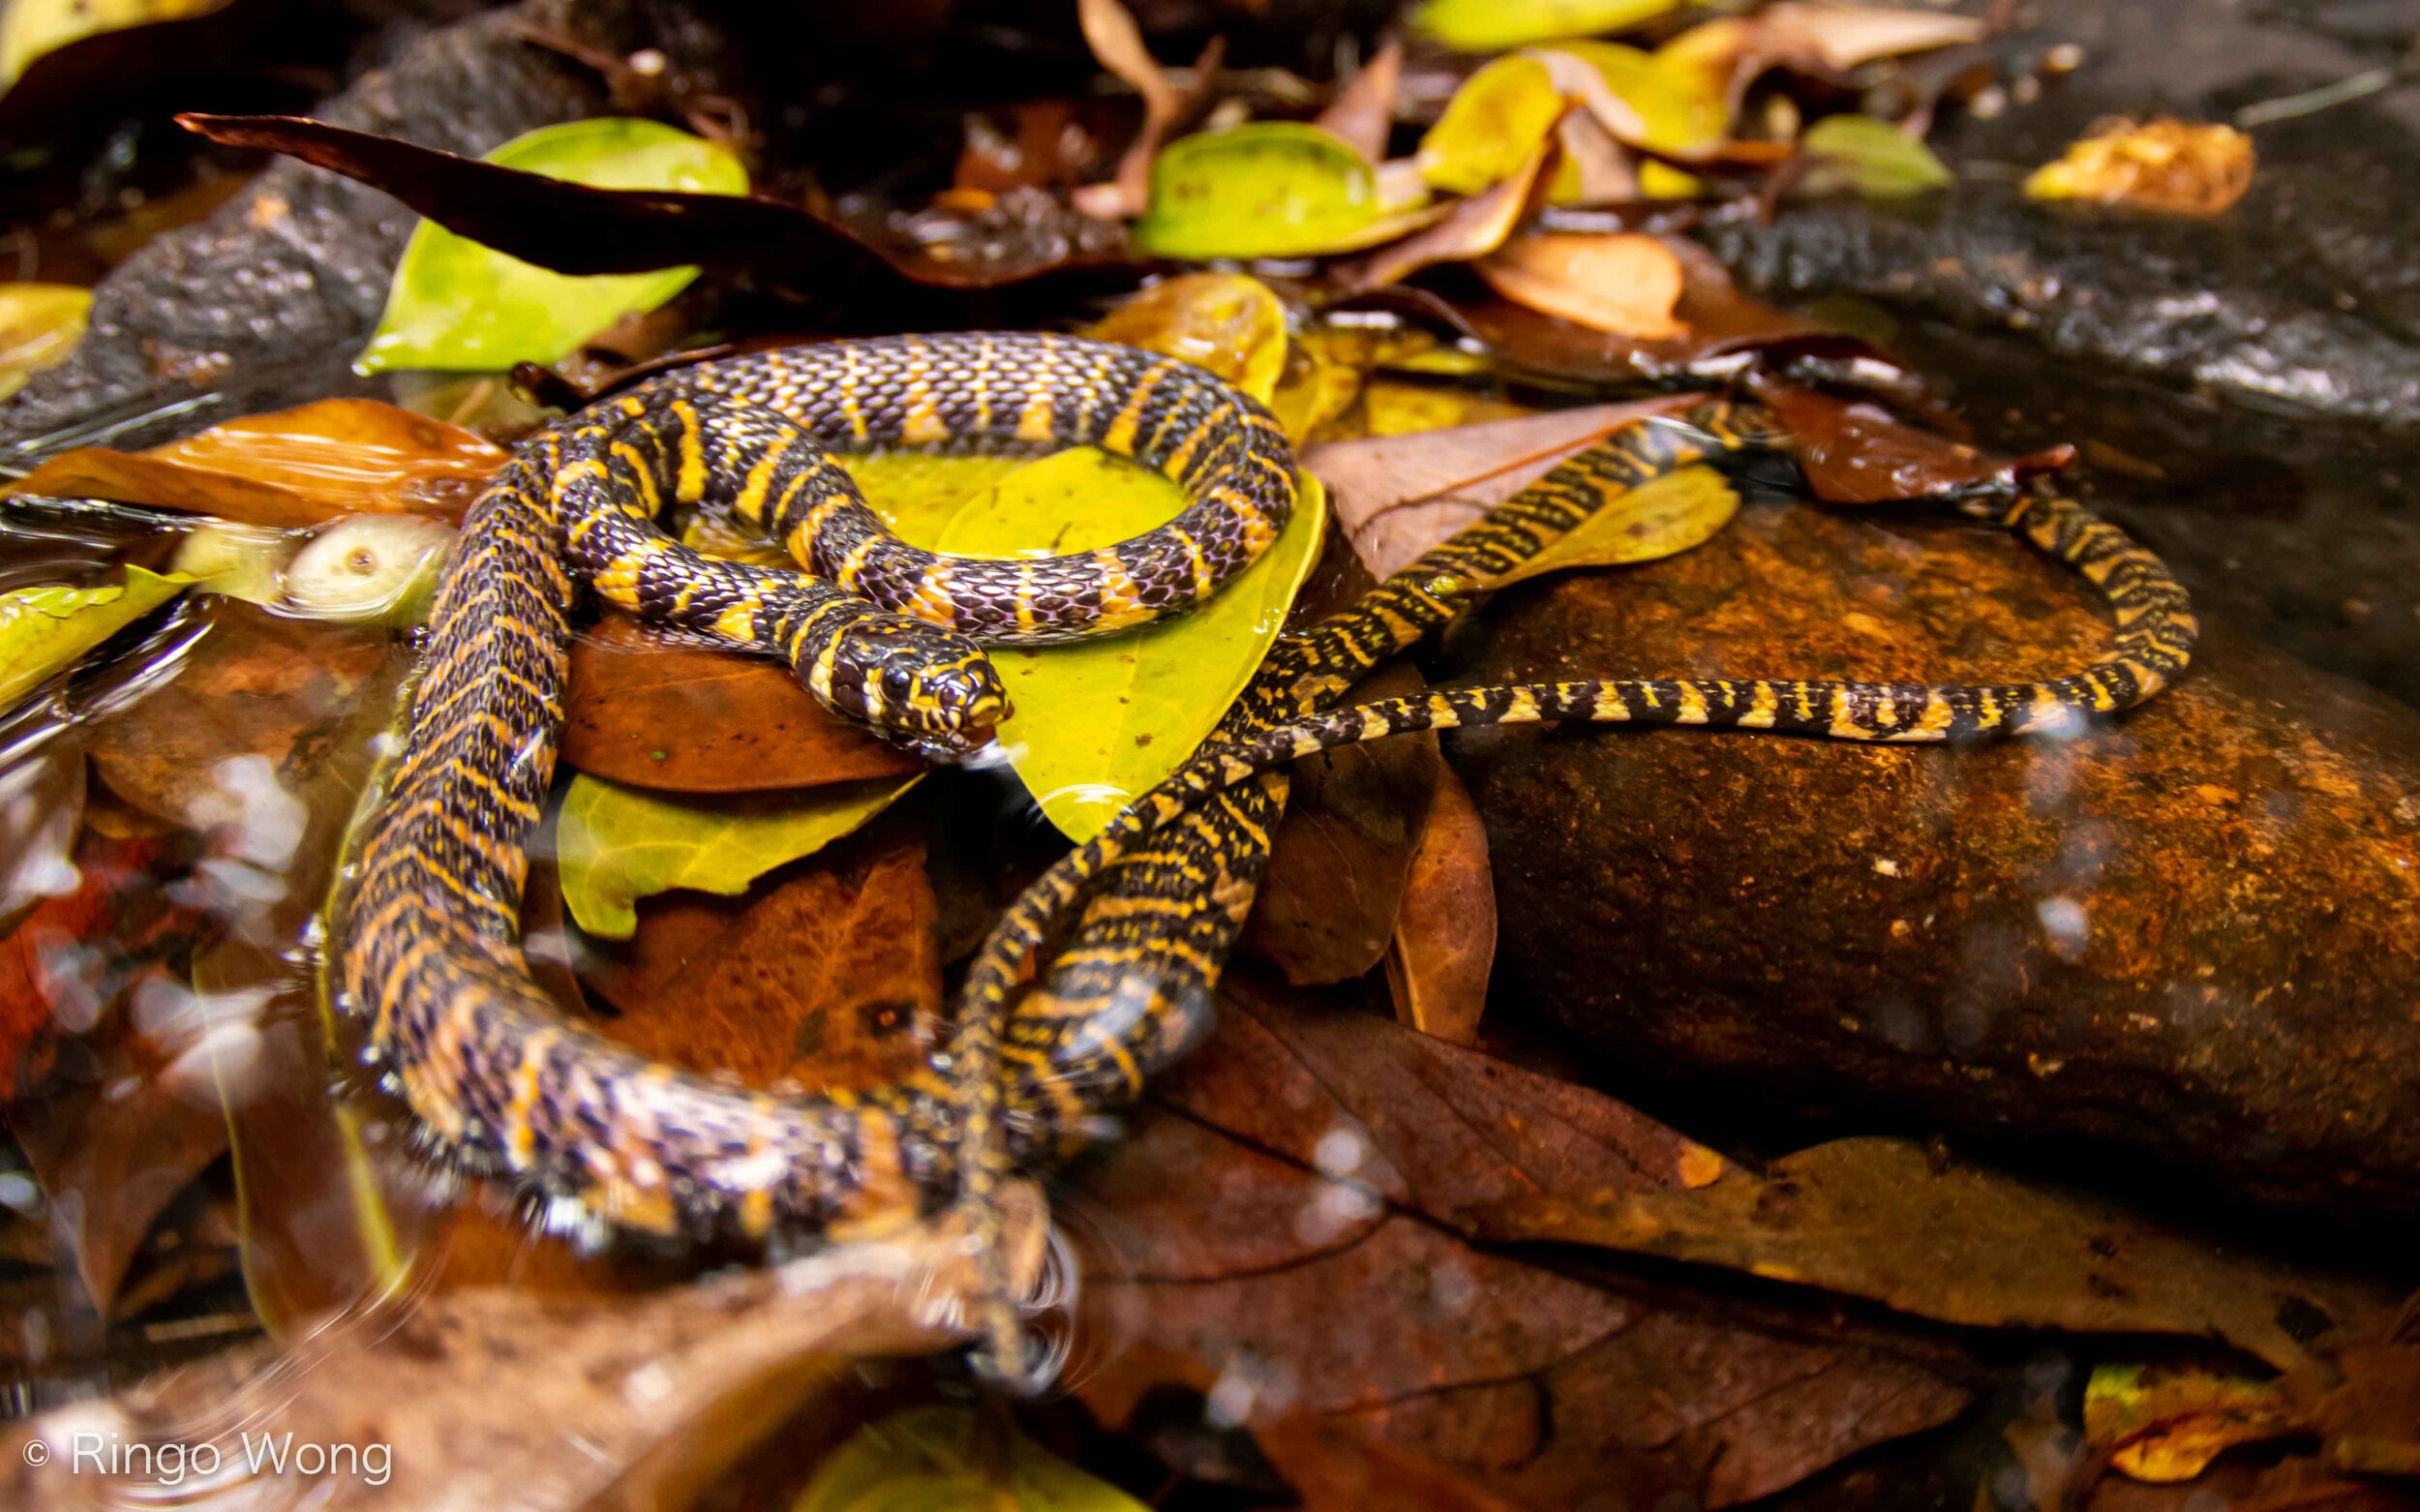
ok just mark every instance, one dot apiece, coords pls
pixel 920 688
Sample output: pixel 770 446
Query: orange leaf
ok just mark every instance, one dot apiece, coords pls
pixel 1444 945
pixel 1617 282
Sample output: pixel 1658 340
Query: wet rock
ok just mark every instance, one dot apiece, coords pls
pixel 2186 937
pixel 2303 294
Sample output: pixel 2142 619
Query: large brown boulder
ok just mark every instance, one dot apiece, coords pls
pixel 2192 934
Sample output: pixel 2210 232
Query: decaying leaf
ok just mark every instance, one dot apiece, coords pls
pixel 40 324
pixel 1444 946
pixel 650 711
pixel 463 1400
pixel 2167 1423
pixel 1268 189
pixel 1396 496
pixel 1493 25
pixel 456 304
pixel 1881 1217
pixel 290 470
pixel 1868 157
pixel 1225 323
pixel 46 630
pixel 1629 284
pixel 1475 227
pixel 1099 721
pixel 618 844
pixel 2160 165
pixel 939 1459
pixel 1854 452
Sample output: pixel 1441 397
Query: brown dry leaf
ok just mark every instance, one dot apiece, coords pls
pixel 1475 227
pixel 828 978
pixel 290 470
pixel 470 1394
pixel 114 1138
pixel 1444 945
pixel 2165 165
pixel 259 684
pixel 1333 1468
pixel 1858 453
pixel 1596 168
pixel 1363 115
pixel 1342 855
pixel 1617 282
pixel 647 708
pixel 1882 1219
pixel 2167 1423
pixel 1283 1244
pixel 1840 37
pixel 1117 43
pixel 1396 496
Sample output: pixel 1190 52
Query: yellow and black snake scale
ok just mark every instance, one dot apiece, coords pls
pixel 889 634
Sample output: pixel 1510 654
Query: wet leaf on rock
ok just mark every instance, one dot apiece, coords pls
pixel 618 844
pixel 651 710
pixel 289 469
pixel 1267 189
pixel 2163 1424
pixel 1855 452
pixel 2161 165
pixel 1494 25
pixel 941 1458
pixel 40 324
pixel 1099 721
pixel 46 630
pixel 457 304
pixel 1865 156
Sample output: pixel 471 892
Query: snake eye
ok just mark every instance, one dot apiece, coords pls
pixel 897 682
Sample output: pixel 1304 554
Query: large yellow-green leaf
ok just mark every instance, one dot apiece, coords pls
pixel 1489 129
pixel 40 325
pixel 1873 157
pixel 618 844
pixel 1493 25
pixel 30 28
pixel 1659 519
pixel 940 1459
pixel 1099 721
pixel 457 305
pixel 46 630
pixel 1268 189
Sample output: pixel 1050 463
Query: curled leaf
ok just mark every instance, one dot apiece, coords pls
pixel 1101 720
pixel 457 304
pixel 1226 324
pixel 2166 1424
pixel 2162 164
pixel 1622 283
pixel 46 630
pixel 1363 115
pixel 1869 157
pixel 942 1458
pixel 1492 127
pixel 616 845
pixel 40 324
pixel 1475 227
pixel 1268 189
pixel 1493 25
pixel 289 469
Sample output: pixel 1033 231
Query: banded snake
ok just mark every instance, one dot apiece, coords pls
pixel 889 634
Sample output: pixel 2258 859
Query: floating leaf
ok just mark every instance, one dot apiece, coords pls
pixel 1492 127
pixel 942 1459
pixel 2162 164
pixel 2164 1423
pixel 380 568
pixel 40 324
pixel 1620 282
pixel 1269 188
pixel 1873 157
pixel 1101 720
pixel 616 844
pixel 30 28
pixel 46 630
pixel 1658 518
pixel 1227 323
pixel 457 304
pixel 1493 25
pixel 289 469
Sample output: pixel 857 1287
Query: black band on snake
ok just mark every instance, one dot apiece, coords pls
pixel 889 634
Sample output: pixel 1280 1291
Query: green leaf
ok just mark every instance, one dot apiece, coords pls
pixel 40 325
pixel 1268 189
pixel 1490 126
pixel 46 630
pixel 1494 25
pixel 1099 721
pixel 934 1459
pixel 1658 518
pixel 457 305
pixel 1873 157
pixel 618 844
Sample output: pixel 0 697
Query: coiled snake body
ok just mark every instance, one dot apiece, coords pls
pixel 887 633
